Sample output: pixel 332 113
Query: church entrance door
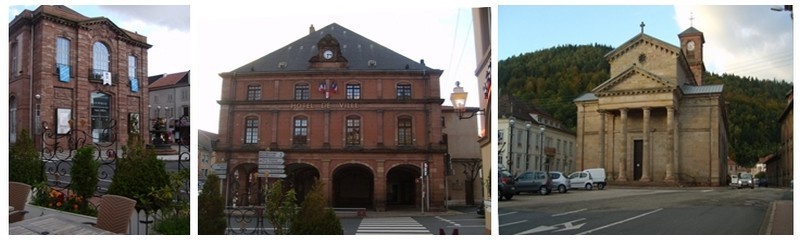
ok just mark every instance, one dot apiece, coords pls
pixel 637 160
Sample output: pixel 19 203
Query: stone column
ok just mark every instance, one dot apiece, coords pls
pixel 646 146
pixel 380 186
pixel 622 177
pixel 602 144
pixel 325 177
pixel 326 130
pixel 670 144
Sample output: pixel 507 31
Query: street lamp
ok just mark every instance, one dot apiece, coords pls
pixel 787 8
pixel 459 100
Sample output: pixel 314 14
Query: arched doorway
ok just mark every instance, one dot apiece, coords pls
pixel 301 178
pixel 246 185
pixel 402 188
pixel 353 186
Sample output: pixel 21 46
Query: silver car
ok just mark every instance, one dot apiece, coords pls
pixel 560 181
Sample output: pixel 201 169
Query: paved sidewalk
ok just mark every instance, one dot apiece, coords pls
pixel 780 218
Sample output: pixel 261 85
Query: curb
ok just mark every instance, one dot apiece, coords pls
pixel 769 219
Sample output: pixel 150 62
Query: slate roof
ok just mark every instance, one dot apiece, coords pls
pixel 358 51
pixel 704 89
pixel 586 97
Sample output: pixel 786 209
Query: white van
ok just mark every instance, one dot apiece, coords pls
pixel 588 179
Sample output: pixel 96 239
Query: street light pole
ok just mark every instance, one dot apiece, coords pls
pixel 541 145
pixel 510 160
pixel 527 145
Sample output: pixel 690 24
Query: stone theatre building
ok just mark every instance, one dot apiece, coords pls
pixel 77 73
pixel 654 121
pixel 349 111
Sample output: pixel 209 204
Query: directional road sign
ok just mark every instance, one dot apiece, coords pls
pixel 268 166
pixel 273 161
pixel 219 166
pixel 270 154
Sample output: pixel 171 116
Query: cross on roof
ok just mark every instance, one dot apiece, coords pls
pixel 642 26
pixel 691 19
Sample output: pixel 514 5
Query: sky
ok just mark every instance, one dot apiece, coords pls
pixel 233 37
pixel 166 28
pixel 743 40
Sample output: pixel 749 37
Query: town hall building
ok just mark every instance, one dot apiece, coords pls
pixel 341 108
pixel 655 121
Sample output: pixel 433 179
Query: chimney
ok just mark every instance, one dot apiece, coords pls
pixel 311 29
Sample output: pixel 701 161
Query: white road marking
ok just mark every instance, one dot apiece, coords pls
pixel 709 190
pixel 570 212
pixel 620 222
pixel 512 223
pixel 508 213
pixel 567 226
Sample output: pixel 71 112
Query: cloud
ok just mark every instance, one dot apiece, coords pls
pixel 743 40
pixel 173 17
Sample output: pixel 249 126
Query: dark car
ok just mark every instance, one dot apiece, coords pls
pixel 480 210
pixel 762 182
pixel 536 181
pixel 506 186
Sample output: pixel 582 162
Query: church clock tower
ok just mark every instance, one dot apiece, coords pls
pixel 692 41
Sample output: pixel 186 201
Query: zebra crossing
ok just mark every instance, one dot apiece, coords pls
pixel 393 225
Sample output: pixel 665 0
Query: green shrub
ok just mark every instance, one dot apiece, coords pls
pixel 315 217
pixel 138 174
pixel 173 225
pixel 84 175
pixel 281 207
pixel 211 210
pixel 24 163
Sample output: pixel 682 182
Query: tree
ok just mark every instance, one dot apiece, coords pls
pixel 281 207
pixel 24 163
pixel 315 217
pixel 84 175
pixel 211 209
pixel 138 174
pixel 471 170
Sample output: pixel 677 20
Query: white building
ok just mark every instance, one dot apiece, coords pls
pixel 524 136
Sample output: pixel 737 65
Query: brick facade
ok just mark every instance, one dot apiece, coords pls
pixel 372 168
pixel 34 35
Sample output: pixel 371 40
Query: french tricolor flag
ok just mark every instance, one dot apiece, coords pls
pixel 322 87
pixel 334 87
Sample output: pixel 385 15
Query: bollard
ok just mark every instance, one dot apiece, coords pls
pixel 441 231
pixel 455 231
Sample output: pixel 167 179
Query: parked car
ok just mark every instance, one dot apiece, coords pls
pixel 535 181
pixel 506 186
pixel 480 210
pixel 560 181
pixel 762 182
pixel 588 179
pixel 746 180
pixel 734 181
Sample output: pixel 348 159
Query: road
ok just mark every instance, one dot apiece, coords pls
pixel 640 211
pixel 468 223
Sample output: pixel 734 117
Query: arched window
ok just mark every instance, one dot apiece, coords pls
pixel 101 116
pixel 404 135
pixel 353 131
pixel 101 61
pixel 251 130
pixel 300 136
pixel 132 73
pixel 12 119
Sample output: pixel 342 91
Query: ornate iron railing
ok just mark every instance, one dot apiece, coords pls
pixel 57 151
pixel 246 221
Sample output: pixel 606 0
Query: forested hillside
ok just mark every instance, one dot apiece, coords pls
pixel 551 78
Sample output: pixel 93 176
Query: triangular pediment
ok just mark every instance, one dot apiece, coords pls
pixel 642 40
pixel 634 80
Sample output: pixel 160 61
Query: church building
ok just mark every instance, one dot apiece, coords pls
pixel 338 107
pixel 654 121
